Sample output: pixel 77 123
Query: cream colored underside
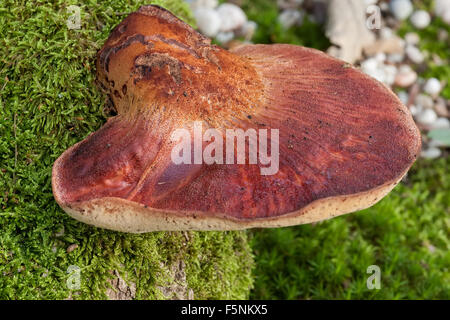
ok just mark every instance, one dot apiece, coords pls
pixel 126 216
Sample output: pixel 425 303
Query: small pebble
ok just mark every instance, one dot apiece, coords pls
pixel 377 74
pixel 432 87
pixel 441 107
pixel 375 68
pixel 386 33
pixel 208 21
pixel 424 101
pixel 71 248
pixel 405 77
pixel 431 153
pixel 442 35
pixel 319 11
pixel 436 143
pixel 401 9
pixel 289 18
pixel 420 19
pixel 45 273
pixel 380 57
pixel 438 61
pixel 289 4
pixel 247 30
pixel 441 6
pixel 60 232
pixel 384 6
pixel 334 51
pixel 414 54
pixel 412 38
pixel 415 110
pixel 395 57
pixel 403 96
pixel 446 16
pixel 232 17
pixel 442 9
pixel 389 74
pixel 441 123
pixel 224 37
pixel 211 4
pixel 372 67
pixel 427 117
pixel 370 2
pixel 369 65
pixel 390 45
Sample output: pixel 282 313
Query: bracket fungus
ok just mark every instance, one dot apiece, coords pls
pixel 344 140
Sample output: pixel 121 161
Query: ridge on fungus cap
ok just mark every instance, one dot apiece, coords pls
pixel 344 140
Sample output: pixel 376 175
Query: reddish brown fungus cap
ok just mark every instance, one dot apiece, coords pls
pixel 345 140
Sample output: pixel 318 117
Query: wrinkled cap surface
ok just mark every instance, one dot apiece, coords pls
pixel 344 139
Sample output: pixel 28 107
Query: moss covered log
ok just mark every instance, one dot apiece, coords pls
pixel 48 102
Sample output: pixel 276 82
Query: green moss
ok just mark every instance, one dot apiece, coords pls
pixel 48 102
pixel 406 235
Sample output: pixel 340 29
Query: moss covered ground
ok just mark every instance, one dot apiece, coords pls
pixel 406 235
pixel 48 102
